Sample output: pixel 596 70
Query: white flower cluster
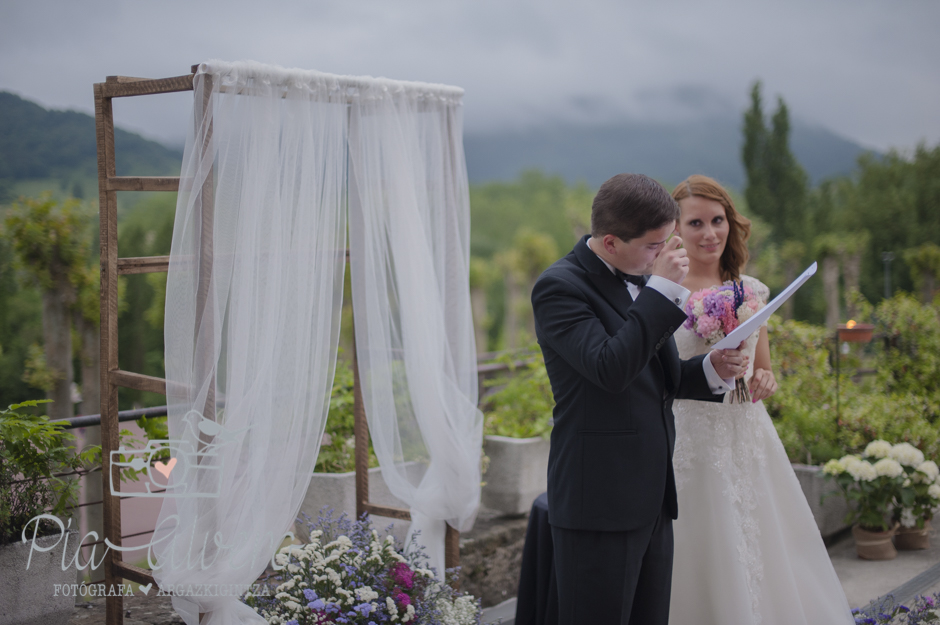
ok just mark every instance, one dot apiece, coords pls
pixel 878 449
pixel 860 470
pixel 927 472
pixel 462 611
pixel 888 467
pixel 906 454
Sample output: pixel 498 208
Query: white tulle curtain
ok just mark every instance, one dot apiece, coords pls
pixel 253 302
pixel 409 230
pixel 254 293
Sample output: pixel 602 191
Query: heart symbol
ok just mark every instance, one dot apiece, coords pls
pixel 146 589
pixel 165 468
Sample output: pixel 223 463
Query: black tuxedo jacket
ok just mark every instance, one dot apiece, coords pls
pixel 615 371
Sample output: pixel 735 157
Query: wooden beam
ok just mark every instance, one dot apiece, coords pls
pixel 138 381
pixel 452 551
pixel 124 570
pixel 143 264
pixel 388 511
pixel 144 183
pixel 124 86
pixel 110 437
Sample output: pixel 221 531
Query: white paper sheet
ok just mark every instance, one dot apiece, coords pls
pixel 746 329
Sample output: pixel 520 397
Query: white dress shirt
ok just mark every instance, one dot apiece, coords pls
pixel 678 295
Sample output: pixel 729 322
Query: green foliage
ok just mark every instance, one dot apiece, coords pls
pixel 910 362
pixel 499 210
pixel 803 407
pixel 338 446
pixel 522 405
pixel 901 403
pixel 37 372
pixel 51 240
pixel 146 230
pixel 33 455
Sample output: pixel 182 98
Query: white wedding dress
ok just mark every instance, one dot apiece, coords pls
pixel 747 549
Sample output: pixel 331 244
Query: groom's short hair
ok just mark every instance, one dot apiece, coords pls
pixel 630 205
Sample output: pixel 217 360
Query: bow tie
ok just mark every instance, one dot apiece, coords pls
pixel 640 281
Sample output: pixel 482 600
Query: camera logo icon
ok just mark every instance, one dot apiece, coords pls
pixel 196 463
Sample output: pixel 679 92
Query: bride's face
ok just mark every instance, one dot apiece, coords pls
pixel 704 229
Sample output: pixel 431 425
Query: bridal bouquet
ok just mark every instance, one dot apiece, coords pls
pixel 348 574
pixel 714 312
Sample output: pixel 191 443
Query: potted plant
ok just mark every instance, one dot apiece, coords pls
pixel 34 453
pixel 347 573
pixel 517 425
pixel 876 489
pixel 920 495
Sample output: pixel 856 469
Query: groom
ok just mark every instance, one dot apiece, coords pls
pixel 606 334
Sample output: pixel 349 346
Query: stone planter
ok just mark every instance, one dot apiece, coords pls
pixel 874 545
pixel 28 596
pixel 517 473
pixel 912 538
pixel 830 511
pixel 338 491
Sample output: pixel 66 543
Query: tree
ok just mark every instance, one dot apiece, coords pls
pixel 50 242
pixel 776 183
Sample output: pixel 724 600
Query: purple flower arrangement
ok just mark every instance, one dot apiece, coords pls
pixel 348 574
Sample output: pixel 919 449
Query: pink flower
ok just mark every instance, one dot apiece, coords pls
pixel 706 325
pixel 403 575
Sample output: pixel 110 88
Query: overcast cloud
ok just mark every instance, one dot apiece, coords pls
pixel 867 70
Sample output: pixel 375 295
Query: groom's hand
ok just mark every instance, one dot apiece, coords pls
pixel 729 363
pixel 672 262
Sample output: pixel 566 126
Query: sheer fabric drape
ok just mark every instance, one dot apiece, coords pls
pixel 409 249
pixel 254 294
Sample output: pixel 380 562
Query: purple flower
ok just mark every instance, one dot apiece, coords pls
pixel 363 608
pixel 309 594
pixel 316 605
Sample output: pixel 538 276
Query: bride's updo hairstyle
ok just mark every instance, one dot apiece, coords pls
pixel 735 256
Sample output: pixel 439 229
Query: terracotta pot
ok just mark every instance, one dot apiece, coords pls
pixel 911 538
pixel 874 545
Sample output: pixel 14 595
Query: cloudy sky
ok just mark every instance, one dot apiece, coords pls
pixel 868 70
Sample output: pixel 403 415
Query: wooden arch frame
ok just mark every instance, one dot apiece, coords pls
pixel 113 378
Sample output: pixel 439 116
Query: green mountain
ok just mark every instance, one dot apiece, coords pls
pixel 40 144
pixel 668 152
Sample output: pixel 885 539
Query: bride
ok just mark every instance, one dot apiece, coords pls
pixel 747 549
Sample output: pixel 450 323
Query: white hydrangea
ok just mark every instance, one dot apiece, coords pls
pixel 834 467
pixel 930 469
pixel 878 449
pixel 933 491
pixel 862 471
pixel 889 467
pixel 907 517
pixel 907 454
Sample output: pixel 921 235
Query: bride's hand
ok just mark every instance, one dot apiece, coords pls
pixel 763 384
